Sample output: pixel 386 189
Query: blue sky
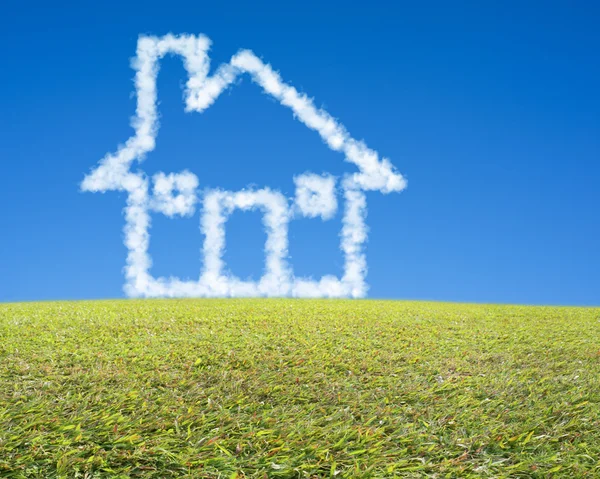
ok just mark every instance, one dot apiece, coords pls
pixel 491 112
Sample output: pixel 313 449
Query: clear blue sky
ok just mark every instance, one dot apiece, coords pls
pixel 492 112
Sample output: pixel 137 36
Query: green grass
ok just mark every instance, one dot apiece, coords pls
pixel 298 388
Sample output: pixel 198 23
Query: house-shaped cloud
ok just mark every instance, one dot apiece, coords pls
pixel 176 193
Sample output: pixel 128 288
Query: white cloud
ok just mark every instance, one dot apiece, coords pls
pixel 218 205
pixel 315 195
pixel 184 202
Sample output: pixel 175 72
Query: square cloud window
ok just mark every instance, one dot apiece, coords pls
pixel 315 195
pixel 166 201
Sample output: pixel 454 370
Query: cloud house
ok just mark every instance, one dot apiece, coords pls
pixel 177 193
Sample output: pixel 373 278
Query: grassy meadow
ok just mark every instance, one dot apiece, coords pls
pixel 298 389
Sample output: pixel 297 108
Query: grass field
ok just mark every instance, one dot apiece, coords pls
pixel 298 388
